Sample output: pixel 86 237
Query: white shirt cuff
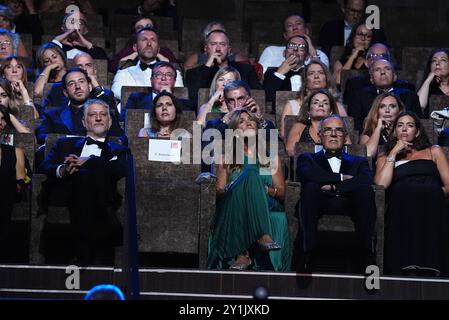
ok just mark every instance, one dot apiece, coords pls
pixel 280 75
pixel 58 175
pixel 341 176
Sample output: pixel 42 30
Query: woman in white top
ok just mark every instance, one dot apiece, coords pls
pixel 315 76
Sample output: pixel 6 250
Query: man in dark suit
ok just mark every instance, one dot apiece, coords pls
pixel 163 78
pixel 288 75
pixel 77 87
pixel 217 49
pixel 383 78
pixel 336 32
pixel 355 84
pixel 87 169
pixel 237 94
pixel 332 180
pixel 56 96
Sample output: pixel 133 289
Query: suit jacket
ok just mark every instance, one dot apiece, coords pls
pixel 333 34
pixel 272 83
pixel 57 98
pixel 314 167
pixel 61 120
pixel 144 100
pixel 201 77
pixel 354 85
pixel 362 104
pixel 114 158
pixel 134 76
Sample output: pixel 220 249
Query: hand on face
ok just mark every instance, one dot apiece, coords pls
pixel 214 57
pixel 288 64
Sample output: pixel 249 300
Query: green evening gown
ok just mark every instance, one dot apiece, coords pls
pixel 243 215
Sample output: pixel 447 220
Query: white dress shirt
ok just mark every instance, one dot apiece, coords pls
pixel 87 151
pixel 134 76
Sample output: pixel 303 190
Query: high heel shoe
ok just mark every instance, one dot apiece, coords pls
pixel 242 265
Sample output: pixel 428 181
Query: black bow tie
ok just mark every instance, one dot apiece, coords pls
pixel 296 73
pixel 100 144
pixel 144 66
pixel 337 154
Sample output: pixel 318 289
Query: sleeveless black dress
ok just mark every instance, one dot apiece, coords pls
pixel 417 219
pixel 7 186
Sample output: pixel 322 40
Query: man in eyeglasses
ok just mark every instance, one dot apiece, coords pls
pixel 336 32
pixel 288 75
pixel 294 25
pixel 334 182
pixel 354 85
pixel 6 44
pixel 147 47
pixel 163 78
pixel 217 49
pixel 383 77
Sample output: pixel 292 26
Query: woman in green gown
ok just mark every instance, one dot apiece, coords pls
pixel 249 217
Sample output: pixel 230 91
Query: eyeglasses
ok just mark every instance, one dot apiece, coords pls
pixel 364 36
pixel 294 46
pixel 339 132
pixel 5 43
pixel 168 75
pixel 378 56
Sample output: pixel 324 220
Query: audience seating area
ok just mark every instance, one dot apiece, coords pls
pixel 174 214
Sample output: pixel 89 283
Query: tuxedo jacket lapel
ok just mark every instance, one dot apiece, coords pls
pixel 79 144
pixel 345 163
pixel 322 161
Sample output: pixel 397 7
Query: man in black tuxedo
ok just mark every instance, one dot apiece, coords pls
pixel 87 169
pixel 383 78
pixel 288 75
pixel 163 78
pixel 77 86
pixel 217 49
pixel 334 181
pixel 336 32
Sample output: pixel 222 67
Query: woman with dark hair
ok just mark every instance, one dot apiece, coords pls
pixel 318 105
pixel 165 116
pixel 416 175
pixel 436 77
pixel 13 69
pixel 51 63
pixel 250 221
pixel 8 101
pixel 315 76
pixel 379 121
pixel 354 56
pixel 12 176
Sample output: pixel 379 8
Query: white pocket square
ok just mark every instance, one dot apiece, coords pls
pixel 113 158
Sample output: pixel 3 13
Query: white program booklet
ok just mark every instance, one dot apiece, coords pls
pixel 164 150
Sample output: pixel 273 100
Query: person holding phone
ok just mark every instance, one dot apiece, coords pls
pixel 354 56
pixel 216 102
